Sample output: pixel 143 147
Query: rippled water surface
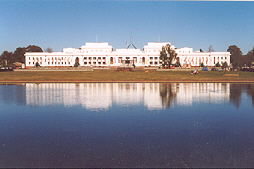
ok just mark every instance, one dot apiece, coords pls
pixel 127 125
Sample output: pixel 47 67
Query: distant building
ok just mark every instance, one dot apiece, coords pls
pixel 103 55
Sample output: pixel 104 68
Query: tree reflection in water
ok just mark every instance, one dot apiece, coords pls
pixel 167 94
pixel 236 92
pixel 250 92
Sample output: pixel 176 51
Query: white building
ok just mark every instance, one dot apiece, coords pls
pixel 103 55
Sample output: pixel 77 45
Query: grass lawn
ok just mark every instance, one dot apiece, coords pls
pixel 112 75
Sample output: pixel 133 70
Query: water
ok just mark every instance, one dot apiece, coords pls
pixel 127 125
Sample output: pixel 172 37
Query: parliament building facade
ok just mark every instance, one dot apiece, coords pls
pixel 101 54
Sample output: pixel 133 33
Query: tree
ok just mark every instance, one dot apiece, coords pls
pixel 217 64
pixel 167 55
pixel 236 56
pixel 18 55
pixel 49 50
pixel 210 48
pixel 37 64
pixel 201 64
pixel 6 58
pixel 201 50
pixel 33 48
pixel 224 65
pixel 76 62
pixel 250 56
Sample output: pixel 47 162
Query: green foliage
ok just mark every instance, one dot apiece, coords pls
pixel 224 65
pixel 201 64
pixel 247 59
pixel 167 55
pixel 76 62
pixel 6 58
pixel 49 50
pixel 236 56
pixel 177 64
pixel 37 64
pixel 217 64
pixel 18 55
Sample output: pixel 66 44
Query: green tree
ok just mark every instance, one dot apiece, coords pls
pixel 201 64
pixel 217 64
pixel 33 48
pixel 18 55
pixel 6 58
pixel 224 65
pixel 250 56
pixel 49 50
pixel 236 56
pixel 167 55
pixel 76 62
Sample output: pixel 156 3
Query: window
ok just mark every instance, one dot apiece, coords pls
pixel 135 59
pixel 120 60
pixel 29 58
pixel 221 57
pixel 29 63
pixel 111 60
pixel 143 60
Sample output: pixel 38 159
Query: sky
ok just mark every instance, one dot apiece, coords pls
pixel 59 24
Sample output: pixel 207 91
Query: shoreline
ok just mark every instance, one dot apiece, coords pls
pixel 123 81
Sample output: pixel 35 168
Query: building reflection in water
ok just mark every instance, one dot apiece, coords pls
pixel 152 95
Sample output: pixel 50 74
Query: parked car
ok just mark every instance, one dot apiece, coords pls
pixel 205 69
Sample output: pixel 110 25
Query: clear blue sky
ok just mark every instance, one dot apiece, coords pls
pixel 59 24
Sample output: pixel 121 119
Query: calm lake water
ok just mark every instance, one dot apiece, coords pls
pixel 127 125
